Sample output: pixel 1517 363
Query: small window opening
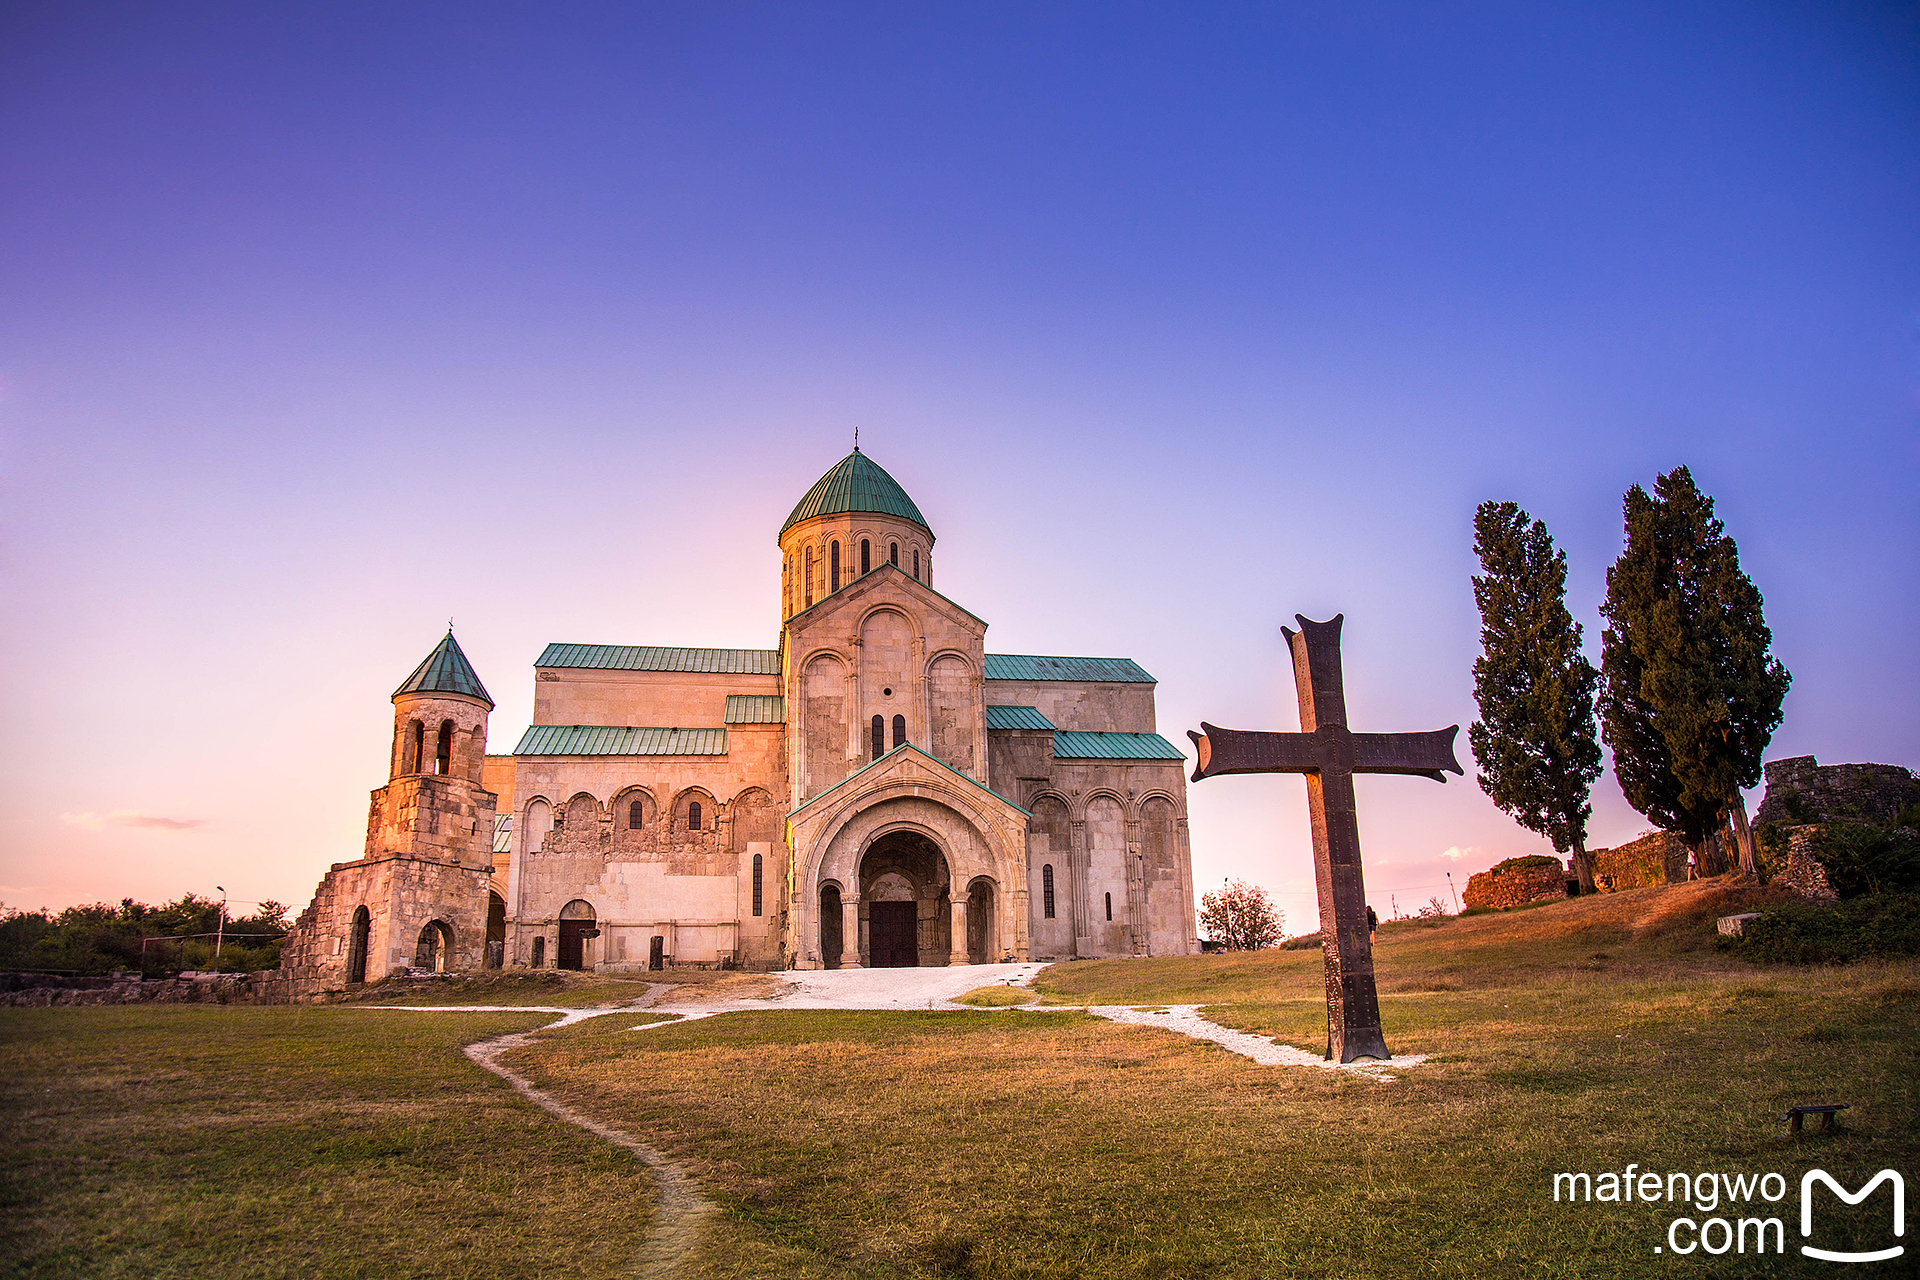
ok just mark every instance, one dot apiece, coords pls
pixel 636 815
pixel 693 819
pixel 899 730
pixel 809 577
pixel 1109 906
pixel 411 762
pixel 443 751
pixel 893 554
pixel 756 884
pixel 916 564
pixel 1046 889
pixel 879 737
pixel 866 557
pixel 833 556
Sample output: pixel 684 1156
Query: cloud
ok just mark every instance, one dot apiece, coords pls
pixel 130 818
pixel 1456 853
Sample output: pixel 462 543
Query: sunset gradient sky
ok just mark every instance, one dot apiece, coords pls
pixel 320 324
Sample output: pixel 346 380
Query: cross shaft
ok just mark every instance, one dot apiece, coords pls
pixel 1329 754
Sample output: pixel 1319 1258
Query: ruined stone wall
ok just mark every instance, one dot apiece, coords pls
pixel 402 896
pixel 1659 857
pixel 1804 873
pixel 1800 790
pixel 1517 887
pixel 48 991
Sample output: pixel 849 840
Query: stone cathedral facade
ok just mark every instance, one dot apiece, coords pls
pixel 877 790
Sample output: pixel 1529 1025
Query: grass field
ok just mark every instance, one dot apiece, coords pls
pixel 1003 1142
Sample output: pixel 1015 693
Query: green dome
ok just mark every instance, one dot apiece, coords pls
pixel 445 670
pixel 856 483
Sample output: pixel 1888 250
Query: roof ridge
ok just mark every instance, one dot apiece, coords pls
pixel 446 670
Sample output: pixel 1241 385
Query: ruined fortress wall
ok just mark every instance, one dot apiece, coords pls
pixel 1659 857
pixel 1516 887
pixel 1800 789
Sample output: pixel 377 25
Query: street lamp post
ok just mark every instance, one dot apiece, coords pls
pixel 220 934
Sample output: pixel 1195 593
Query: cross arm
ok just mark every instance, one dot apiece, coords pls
pixel 1422 755
pixel 1251 751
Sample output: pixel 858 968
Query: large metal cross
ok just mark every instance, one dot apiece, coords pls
pixel 1329 754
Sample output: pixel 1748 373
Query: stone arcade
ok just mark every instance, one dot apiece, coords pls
pixel 878 790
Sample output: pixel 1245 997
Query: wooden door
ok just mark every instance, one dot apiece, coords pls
pixel 891 935
pixel 572 942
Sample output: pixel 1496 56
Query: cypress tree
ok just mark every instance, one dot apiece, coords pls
pixel 1691 694
pixel 1535 741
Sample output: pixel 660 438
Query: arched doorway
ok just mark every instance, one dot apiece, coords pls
pixel 903 897
pixel 435 945
pixel 496 931
pixel 357 945
pixel 830 925
pixel 981 934
pixel 576 929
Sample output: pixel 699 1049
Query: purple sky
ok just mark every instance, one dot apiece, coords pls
pixel 320 324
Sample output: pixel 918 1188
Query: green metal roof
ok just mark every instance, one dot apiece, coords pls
pixel 647 657
pixel 445 670
pixel 1112 746
pixel 503 833
pixel 612 740
pixel 1025 666
pixel 856 483
pixel 756 708
pixel 1016 718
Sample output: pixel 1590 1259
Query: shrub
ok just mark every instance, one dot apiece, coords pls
pixel 1886 924
pixel 1525 863
pixel 1305 942
pixel 1865 860
pixel 1241 917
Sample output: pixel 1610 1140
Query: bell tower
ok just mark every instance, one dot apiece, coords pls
pixel 417 896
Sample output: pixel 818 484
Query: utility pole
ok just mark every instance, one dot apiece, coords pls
pixel 1456 895
pixel 220 935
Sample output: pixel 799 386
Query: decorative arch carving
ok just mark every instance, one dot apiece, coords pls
pixel 536 825
pixel 823 721
pixel 629 836
pixel 579 829
pixel 756 816
pixel 950 687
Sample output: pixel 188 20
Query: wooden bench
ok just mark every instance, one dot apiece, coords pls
pixel 1797 1115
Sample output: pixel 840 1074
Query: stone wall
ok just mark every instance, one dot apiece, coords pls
pixel 51 991
pixel 1659 857
pixel 1804 873
pixel 1516 887
pixel 1800 790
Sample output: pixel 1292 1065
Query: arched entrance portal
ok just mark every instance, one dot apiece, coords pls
pixel 436 943
pixel 904 903
pixel 576 929
pixel 357 945
pixel 982 943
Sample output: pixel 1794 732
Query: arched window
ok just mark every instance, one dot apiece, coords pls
pixel 636 815
pixel 833 566
pixel 879 737
pixel 866 557
pixel 899 730
pixel 916 564
pixel 756 884
pixel 809 577
pixel 893 554
pixel 411 761
pixel 1046 889
pixel 538 824
pixel 1109 906
pixel 693 818
pixel 443 752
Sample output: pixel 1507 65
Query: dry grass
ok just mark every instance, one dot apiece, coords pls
pixel 200 1141
pixel 999 996
pixel 1579 1037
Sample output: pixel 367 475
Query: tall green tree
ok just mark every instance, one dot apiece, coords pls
pixel 1535 741
pixel 1691 693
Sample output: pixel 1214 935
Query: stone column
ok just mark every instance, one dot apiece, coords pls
pixel 850 931
pixel 959 940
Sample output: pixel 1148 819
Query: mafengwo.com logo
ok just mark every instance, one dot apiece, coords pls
pixel 1740 1213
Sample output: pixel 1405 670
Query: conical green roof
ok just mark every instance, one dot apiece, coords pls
pixel 856 483
pixel 446 670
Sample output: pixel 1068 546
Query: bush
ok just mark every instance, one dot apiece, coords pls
pixel 99 939
pixel 1240 917
pixel 1864 860
pixel 1305 942
pixel 1886 924
pixel 1525 863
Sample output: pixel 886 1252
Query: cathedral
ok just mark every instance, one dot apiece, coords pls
pixel 879 790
